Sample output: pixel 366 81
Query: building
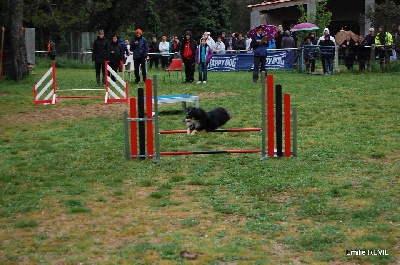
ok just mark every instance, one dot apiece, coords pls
pixel 345 13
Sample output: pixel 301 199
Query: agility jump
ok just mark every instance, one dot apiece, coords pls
pixel 45 91
pixel 140 117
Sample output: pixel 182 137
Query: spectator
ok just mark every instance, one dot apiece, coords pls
pixel 370 42
pixel 204 54
pixel 155 53
pixel 287 41
pixel 188 51
pixel 259 44
pixel 327 48
pixel 123 46
pixel 248 42
pixel 225 40
pixel 209 40
pixel 278 39
pixel 397 42
pixel 322 38
pixel 140 49
pixel 232 41
pixel 294 35
pixel 312 38
pixel 176 47
pixel 51 49
pixel 361 52
pixel 240 44
pixel 116 55
pixel 385 39
pixel 348 46
pixel 100 54
pixel 219 46
pixel 309 55
pixel 163 47
pixel 128 46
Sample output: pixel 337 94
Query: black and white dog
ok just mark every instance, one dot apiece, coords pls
pixel 198 119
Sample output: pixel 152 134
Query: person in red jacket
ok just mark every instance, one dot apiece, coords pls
pixel 188 51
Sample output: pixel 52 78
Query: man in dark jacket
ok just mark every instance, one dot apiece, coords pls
pixel 140 49
pixel 240 44
pixel 100 54
pixel 188 51
pixel 259 44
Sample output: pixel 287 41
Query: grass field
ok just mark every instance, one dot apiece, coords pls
pixel 68 196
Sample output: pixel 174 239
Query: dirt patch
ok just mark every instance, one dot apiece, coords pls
pixel 70 112
pixel 66 112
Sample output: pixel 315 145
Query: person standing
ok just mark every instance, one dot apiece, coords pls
pixel 259 44
pixel 51 49
pixel 287 41
pixel 360 52
pixel 348 46
pixel 140 49
pixel 327 48
pixel 309 55
pixel 154 50
pixel 100 54
pixel 163 47
pixel 188 51
pixel 279 37
pixel 209 40
pixel 240 44
pixel 385 41
pixel 203 56
pixel 176 48
pixel 219 47
pixel 397 43
pixel 225 40
pixel 116 55
pixel 370 43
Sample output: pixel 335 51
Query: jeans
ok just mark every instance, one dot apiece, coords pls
pixel 328 69
pixel 202 71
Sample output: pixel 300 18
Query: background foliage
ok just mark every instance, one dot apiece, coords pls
pixel 57 18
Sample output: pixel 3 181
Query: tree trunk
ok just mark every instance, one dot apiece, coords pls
pixel 19 64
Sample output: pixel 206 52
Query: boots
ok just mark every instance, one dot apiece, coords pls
pixel 97 80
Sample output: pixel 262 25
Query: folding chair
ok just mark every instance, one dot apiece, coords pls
pixel 129 67
pixel 176 66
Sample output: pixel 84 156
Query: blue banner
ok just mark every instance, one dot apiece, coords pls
pixel 281 59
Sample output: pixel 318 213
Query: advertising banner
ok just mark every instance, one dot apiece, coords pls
pixel 280 59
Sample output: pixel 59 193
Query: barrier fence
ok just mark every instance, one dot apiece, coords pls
pixel 46 93
pixel 139 132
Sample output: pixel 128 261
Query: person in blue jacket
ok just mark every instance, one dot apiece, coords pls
pixel 140 49
pixel 259 44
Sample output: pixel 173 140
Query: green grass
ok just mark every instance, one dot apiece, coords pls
pixel 67 194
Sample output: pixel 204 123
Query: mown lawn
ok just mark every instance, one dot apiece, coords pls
pixel 69 196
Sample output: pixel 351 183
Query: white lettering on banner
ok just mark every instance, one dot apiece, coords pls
pixel 227 63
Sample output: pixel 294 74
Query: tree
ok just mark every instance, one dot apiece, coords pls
pixel 203 15
pixel 322 17
pixel 19 62
pixel 153 18
pixel 385 14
